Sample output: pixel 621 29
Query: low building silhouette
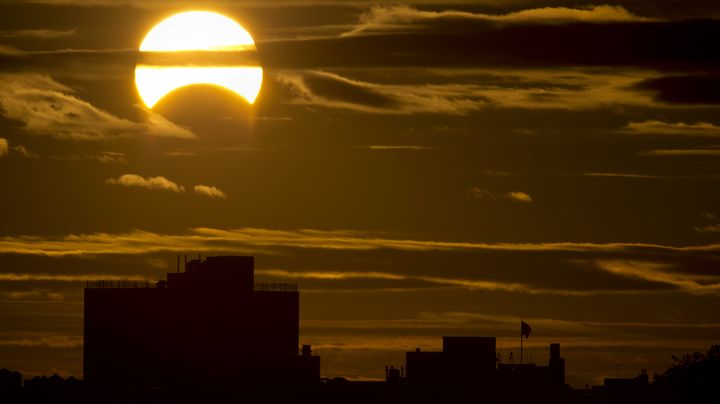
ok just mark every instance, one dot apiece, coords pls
pixel 462 359
pixel 626 389
pixel 535 376
pixel 210 325
pixel 469 364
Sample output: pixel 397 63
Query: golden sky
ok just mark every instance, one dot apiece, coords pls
pixel 420 169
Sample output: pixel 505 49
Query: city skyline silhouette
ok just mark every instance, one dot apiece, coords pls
pixel 210 332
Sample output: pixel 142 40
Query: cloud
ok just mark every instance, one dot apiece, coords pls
pixel 23 151
pixel 209 191
pixel 36 339
pixel 519 196
pixel 20 277
pixel 455 319
pixel 681 152
pixel 403 18
pixel 105 157
pixel 460 92
pixel 655 127
pixel 34 295
pixel 657 272
pixel 711 228
pixel 39 33
pixel 442 281
pixel 622 175
pixel 395 147
pixel 480 193
pixel 47 107
pixel 19 149
pixel 8 50
pixel 180 154
pixel 637 176
pixel 157 125
pixel 366 97
pixel 257 239
pixel 159 183
pixel 108 157
pixel 328 261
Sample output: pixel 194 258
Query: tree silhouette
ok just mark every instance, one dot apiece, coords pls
pixel 693 378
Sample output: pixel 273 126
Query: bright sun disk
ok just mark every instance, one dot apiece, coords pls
pixel 197 32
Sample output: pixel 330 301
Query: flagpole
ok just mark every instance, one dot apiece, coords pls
pixel 521 344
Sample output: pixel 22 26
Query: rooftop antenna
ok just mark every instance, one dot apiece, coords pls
pixel 185 266
pixel 178 264
pixel 617 369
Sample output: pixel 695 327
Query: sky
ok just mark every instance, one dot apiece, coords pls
pixel 420 169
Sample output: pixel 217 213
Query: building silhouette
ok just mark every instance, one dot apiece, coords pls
pixel 467 367
pixel 535 376
pixel 210 325
pixel 462 359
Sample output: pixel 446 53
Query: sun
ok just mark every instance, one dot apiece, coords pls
pixel 197 47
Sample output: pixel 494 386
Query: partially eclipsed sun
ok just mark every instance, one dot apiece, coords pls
pixel 197 47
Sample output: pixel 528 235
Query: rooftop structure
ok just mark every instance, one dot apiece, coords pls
pixel 211 324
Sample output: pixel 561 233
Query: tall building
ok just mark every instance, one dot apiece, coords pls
pixel 209 325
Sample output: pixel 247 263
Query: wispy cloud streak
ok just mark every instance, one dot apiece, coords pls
pixel 245 239
pixel 655 127
pixel 403 18
pixel 49 108
pixel 157 183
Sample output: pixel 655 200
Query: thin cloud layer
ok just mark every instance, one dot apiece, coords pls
pixel 240 240
pixel 154 183
pixel 108 157
pixel 402 18
pixel 480 193
pixel 437 280
pixel 519 196
pixel 49 108
pixel 655 127
pixel 467 91
pixel 657 272
pixel 157 183
pixel 39 33
pixel 210 191
pixel 396 147
pixel 711 228
pixel 561 269
pixel 24 152
pixel 681 152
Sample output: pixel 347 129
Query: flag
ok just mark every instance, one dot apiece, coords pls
pixel 525 329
